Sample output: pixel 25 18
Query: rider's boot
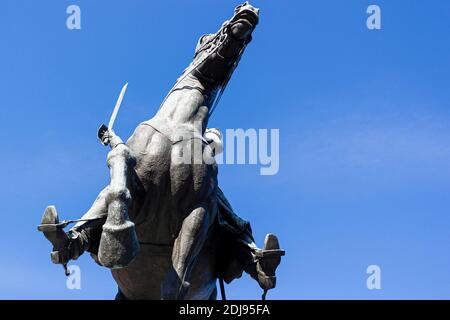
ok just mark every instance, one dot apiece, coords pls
pixel 267 261
pixel 56 235
pixel 66 246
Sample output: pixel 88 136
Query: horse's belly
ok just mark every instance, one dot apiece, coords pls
pixel 144 277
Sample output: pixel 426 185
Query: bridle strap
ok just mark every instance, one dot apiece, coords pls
pixel 224 84
pixel 190 69
pixel 173 142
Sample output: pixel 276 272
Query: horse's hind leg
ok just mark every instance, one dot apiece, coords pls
pixel 187 246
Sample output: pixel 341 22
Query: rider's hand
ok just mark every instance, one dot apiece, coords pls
pixel 114 139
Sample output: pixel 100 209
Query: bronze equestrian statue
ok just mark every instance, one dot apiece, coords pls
pixel 162 221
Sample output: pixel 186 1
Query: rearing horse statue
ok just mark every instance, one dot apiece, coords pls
pixel 162 220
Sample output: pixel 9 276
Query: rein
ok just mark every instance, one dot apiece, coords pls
pixel 222 36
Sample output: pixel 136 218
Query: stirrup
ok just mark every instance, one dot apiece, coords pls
pixel 53 231
pixel 267 261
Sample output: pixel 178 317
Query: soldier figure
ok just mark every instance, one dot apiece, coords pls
pixel 159 225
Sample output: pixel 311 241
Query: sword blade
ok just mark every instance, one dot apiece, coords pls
pixel 117 107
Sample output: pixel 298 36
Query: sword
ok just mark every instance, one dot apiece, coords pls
pixel 103 131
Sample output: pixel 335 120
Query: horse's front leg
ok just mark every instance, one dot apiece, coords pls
pixel 187 246
pixel 118 243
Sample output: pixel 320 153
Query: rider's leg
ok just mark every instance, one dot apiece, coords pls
pixel 187 246
pixel 260 264
pixel 85 235
pixel 99 209
pixel 243 253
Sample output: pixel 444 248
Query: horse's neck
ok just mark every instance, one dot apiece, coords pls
pixel 185 104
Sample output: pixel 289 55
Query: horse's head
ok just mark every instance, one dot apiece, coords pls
pixel 239 27
pixel 217 55
pixel 244 21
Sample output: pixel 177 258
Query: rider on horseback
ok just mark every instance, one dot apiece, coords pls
pixel 111 235
pixel 236 243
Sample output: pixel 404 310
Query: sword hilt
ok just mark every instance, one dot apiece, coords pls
pixel 103 135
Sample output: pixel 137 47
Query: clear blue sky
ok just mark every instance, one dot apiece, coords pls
pixel 364 121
